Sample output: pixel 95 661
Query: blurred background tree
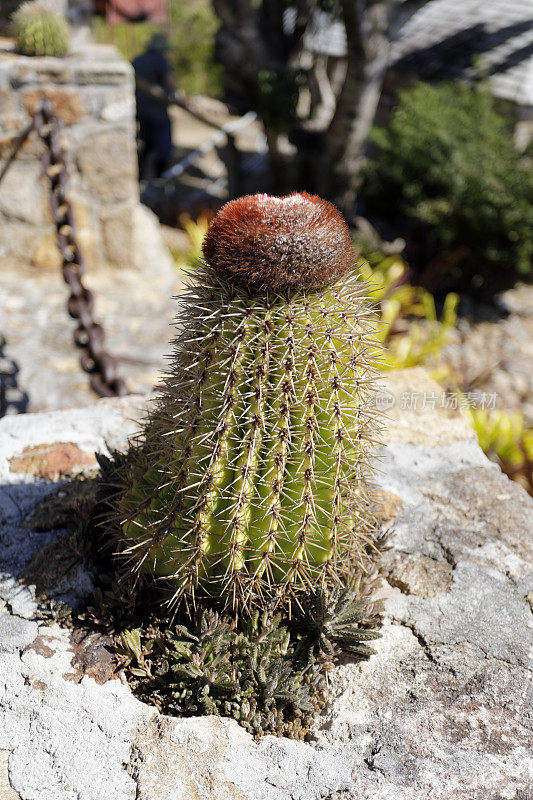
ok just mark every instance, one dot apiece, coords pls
pixel 263 48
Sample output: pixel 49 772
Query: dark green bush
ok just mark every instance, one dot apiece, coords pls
pixel 447 176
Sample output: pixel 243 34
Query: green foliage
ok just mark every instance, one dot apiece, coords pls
pixel 214 668
pixel 412 335
pixel 505 439
pixel 128 37
pixel 278 93
pixel 189 259
pixel 339 620
pixel 447 167
pixel 192 28
pixel 408 325
pixel 38 32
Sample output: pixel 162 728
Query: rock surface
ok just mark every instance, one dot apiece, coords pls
pixel 443 710
pixel 495 355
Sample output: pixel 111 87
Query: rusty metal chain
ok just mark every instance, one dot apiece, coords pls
pixel 13 399
pixel 89 335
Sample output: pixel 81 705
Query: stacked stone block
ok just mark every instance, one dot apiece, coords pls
pixel 93 93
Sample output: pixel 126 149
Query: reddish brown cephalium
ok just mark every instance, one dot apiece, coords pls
pixel 297 242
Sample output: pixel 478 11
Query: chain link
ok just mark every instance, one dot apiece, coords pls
pixel 89 335
pixel 13 399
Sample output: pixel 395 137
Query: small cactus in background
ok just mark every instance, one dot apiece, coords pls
pixel 39 32
pixel 249 480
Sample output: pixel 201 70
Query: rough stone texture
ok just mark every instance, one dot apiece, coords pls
pixel 136 308
pixel 495 355
pixel 68 104
pixel 105 160
pixel 197 758
pixel 22 195
pixel 92 90
pixel 52 461
pixel 443 710
pixel 6 792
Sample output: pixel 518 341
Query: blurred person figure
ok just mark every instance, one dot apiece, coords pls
pixel 154 85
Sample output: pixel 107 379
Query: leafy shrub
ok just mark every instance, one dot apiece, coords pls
pixel 269 676
pixel 446 172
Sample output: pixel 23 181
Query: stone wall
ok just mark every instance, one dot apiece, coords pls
pixel 93 92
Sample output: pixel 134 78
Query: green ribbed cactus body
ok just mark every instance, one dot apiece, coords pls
pixel 249 479
pixel 38 32
pixel 251 475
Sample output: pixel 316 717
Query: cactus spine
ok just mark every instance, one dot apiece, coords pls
pixel 39 32
pixel 250 477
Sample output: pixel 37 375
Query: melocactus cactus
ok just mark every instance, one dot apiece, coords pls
pixel 39 32
pixel 249 479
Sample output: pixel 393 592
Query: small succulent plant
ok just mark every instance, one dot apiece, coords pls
pixel 39 32
pixel 249 481
pixel 341 620
pixel 267 673
pixel 250 675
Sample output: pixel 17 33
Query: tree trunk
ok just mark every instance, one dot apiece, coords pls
pixel 240 47
pixel 367 33
pixel 251 39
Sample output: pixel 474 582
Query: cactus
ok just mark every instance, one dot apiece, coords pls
pixel 249 480
pixel 39 32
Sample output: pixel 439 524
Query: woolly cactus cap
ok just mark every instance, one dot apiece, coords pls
pixel 279 243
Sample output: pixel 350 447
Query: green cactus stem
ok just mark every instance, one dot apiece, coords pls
pixel 39 32
pixel 250 478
